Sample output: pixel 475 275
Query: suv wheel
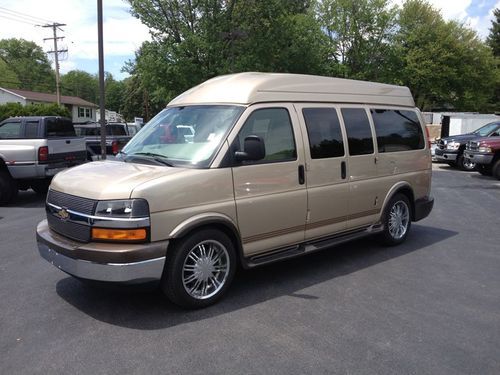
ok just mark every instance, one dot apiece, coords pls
pixel 396 220
pixel 465 164
pixel 199 269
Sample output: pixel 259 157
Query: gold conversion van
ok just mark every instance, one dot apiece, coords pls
pixel 245 169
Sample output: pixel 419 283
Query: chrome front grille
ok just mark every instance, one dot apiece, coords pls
pixel 72 202
pixel 472 146
pixel 69 227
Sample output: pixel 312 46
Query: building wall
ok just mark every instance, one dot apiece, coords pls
pixel 5 98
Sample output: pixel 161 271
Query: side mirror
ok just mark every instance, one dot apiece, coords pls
pixel 253 149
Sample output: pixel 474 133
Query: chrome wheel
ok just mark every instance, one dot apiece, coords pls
pixel 399 218
pixel 468 164
pixel 205 269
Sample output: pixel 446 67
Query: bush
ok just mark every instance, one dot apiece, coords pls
pixel 16 109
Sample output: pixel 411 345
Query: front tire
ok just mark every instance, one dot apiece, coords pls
pixel 396 220
pixel 465 164
pixel 199 269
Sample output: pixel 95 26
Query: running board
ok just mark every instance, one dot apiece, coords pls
pixel 310 246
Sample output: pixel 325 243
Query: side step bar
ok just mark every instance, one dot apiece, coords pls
pixel 310 246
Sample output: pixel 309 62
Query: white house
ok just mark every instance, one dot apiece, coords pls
pixel 81 110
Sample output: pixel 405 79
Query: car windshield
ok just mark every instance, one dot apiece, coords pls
pixel 487 129
pixel 185 136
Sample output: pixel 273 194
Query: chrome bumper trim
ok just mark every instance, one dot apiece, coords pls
pixel 143 271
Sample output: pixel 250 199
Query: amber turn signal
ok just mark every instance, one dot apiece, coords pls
pixel 119 234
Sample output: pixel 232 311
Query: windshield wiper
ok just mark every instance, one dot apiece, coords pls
pixel 156 157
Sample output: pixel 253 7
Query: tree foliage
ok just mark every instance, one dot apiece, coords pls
pixel 16 109
pixel 26 66
pixel 494 36
pixel 81 84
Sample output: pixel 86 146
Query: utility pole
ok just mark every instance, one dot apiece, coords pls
pixel 102 109
pixel 56 52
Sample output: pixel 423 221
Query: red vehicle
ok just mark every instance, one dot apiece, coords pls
pixel 485 152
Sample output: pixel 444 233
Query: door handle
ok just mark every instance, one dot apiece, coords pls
pixel 343 171
pixel 68 142
pixel 302 176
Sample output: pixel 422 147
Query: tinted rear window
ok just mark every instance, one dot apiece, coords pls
pixel 31 129
pixel 358 130
pixel 60 128
pixel 324 133
pixel 397 130
pixel 115 130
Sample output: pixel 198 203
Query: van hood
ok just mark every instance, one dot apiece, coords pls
pixel 108 179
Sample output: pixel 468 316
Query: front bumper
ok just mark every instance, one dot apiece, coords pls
pixel 423 208
pixel 445 155
pixel 125 263
pixel 478 158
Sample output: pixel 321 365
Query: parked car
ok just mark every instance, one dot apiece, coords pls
pixel 116 138
pixel 33 150
pixel 280 165
pixel 451 149
pixel 485 153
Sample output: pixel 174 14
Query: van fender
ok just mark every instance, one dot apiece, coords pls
pixel 206 218
pixel 394 190
pixel 212 219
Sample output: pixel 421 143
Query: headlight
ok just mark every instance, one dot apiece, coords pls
pixel 126 208
pixel 452 145
pixel 485 149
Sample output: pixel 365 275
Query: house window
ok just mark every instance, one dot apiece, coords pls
pixel 84 112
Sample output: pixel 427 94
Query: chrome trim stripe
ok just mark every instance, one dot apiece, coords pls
pixel 98 217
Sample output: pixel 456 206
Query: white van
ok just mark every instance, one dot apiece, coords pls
pixel 279 165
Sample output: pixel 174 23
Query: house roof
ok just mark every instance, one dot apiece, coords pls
pixel 50 98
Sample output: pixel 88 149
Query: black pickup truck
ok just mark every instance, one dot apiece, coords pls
pixel 116 138
pixel 451 149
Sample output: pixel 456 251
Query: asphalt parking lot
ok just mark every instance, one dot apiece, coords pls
pixel 429 306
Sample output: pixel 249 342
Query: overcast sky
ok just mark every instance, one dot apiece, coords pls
pixel 123 34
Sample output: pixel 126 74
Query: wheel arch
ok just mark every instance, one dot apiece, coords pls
pixel 211 220
pixel 402 187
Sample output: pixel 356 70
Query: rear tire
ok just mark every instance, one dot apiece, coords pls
pixel 396 220
pixel 199 269
pixel 8 188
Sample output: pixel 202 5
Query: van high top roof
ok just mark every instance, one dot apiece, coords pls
pixel 250 88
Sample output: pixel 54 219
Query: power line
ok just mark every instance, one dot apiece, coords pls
pixel 18 20
pixel 24 15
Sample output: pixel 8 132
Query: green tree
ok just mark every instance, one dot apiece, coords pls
pixel 81 84
pixel 28 65
pixel 194 41
pixel 494 36
pixel 445 64
pixel 361 35
pixel 16 109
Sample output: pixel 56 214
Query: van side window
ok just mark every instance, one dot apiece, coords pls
pixel 397 130
pixel 273 125
pixel 359 135
pixel 324 133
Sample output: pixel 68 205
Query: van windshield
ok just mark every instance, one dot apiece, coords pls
pixel 185 136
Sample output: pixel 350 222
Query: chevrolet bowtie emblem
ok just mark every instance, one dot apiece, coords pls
pixel 63 214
